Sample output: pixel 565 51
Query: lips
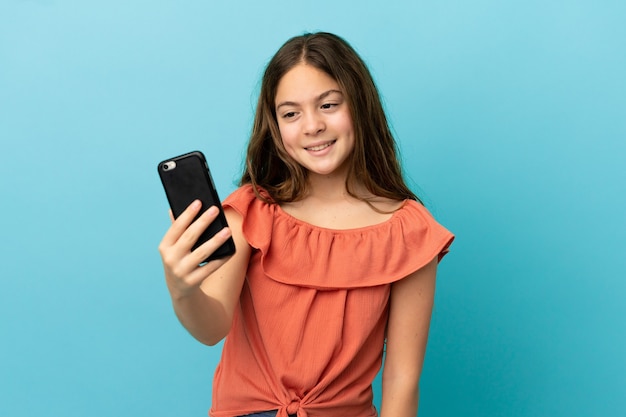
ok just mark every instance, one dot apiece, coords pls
pixel 321 146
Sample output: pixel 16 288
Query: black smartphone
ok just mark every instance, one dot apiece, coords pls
pixel 187 178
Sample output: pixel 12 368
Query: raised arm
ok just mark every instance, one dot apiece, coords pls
pixel 407 333
pixel 204 297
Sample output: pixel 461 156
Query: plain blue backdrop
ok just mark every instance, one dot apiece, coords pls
pixel 511 119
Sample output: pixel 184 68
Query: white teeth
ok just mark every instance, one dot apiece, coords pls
pixel 320 147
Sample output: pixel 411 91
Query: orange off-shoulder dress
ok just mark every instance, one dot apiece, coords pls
pixel 308 334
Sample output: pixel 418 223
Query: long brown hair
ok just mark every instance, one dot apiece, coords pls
pixel 374 161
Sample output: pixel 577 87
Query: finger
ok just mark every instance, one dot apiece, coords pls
pixel 198 275
pixel 203 271
pixel 176 254
pixel 189 264
pixel 210 246
pixel 191 235
pixel 181 224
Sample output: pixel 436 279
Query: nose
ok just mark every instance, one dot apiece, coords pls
pixel 313 124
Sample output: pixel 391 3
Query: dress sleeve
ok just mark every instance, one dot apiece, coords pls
pixel 257 215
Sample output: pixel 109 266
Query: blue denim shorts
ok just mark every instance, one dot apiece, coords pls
pixel 263 414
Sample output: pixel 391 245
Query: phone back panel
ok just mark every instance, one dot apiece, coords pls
pixel 187 178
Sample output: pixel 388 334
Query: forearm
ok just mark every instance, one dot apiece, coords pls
pixel 400 397
pixel 205 318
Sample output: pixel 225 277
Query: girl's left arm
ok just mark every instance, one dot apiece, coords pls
pixel 411 307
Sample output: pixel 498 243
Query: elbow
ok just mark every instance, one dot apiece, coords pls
pixel 206 335
pixel 209 340
pixel 215 336
pixel 405 381
pixel 400 395
pixel 213 341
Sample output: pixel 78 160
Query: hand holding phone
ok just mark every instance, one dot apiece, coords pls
pixel 187 178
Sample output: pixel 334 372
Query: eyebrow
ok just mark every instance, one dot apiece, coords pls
pixel 320 97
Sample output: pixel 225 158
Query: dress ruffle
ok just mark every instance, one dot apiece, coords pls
pixel 362 257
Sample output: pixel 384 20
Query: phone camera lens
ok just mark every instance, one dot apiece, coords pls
pixel 168 166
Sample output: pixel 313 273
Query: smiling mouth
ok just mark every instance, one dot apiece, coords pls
pixel 320 147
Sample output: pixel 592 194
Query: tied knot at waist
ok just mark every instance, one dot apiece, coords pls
pixel 293 407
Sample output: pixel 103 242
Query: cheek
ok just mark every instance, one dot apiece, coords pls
pixel 288 135
pixel 344 123
pixel 288 141
pixel 349 123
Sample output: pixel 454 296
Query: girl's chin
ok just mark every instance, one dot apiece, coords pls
pixel 325 171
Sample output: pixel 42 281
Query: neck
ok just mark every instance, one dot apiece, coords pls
pixel 327 186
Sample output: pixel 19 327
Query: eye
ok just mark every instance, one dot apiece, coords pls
pixel 327 106
pixel 289 115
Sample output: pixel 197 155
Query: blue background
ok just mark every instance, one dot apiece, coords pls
pixel 511 118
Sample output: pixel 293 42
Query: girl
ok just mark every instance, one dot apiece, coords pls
pixel 335 255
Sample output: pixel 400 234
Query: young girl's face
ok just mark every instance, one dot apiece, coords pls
pixel 314 120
